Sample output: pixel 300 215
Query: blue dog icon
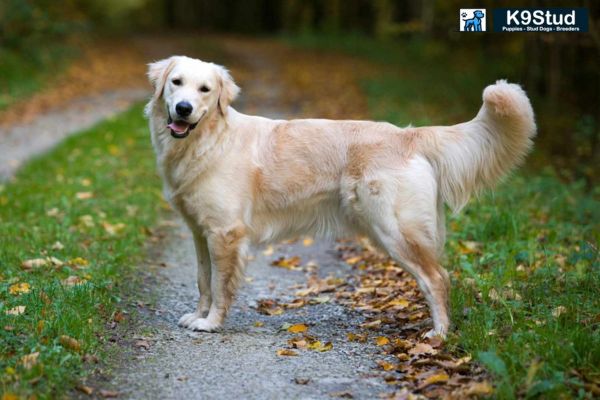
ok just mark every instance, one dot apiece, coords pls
pixel 474 24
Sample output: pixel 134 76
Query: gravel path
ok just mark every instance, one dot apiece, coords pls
pixel 21 142
pixel 241 361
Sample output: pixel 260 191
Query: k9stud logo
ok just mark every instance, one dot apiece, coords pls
pixel 472 20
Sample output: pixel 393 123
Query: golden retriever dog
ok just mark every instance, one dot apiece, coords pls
pixel 239 180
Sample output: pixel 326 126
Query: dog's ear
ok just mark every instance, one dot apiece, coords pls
pixel 157 74
pixel 229 90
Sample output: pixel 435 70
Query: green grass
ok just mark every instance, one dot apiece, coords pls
pixel 114 162
pixel 525 300
pixel 23 73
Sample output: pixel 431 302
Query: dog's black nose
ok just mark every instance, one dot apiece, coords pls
pixel 184 108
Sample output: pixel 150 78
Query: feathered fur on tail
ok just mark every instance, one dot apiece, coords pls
pixel 477 154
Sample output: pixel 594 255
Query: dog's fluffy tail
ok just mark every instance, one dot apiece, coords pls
pixel 477 154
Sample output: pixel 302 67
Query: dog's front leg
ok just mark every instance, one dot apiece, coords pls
pixel 203 279
pixel 227 253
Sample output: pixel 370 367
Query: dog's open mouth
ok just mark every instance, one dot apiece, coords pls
pixel 180 129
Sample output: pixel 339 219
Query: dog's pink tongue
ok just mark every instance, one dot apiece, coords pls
pixel 178 126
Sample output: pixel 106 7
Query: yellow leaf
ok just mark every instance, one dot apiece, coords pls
pixel 19 288
pixel 30 360
pixel 113 230
pixel 9 396
pixel 268 251
pixel 354 337
pixel 381 340
pixel 69 343
pixel 308 241
pixel 114 150
pixel 18 310
pixel 85 182
pixel 286 352
pixel 288 263
pixel 258 324
pixel 353 260
pixel 318 346
pixel 479 389
pixel 437 378
pixel 297 328
pixel 79 262
pixel 386 366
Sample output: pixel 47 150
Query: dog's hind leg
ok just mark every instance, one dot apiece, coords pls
pixel 228 255
pixel 403 217
pixel 203 280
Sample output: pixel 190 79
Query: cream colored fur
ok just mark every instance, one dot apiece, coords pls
pixel 239 180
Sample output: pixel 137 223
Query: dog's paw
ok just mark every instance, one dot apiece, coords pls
pixel 433 333
pixel 188 319
pixel 204 325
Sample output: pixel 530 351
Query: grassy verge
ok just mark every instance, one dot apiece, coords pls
pixel 524 259
pixel 87 204
pixel 22 74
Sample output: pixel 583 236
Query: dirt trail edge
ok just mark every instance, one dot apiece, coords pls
pixel 20 142
pixel 240 361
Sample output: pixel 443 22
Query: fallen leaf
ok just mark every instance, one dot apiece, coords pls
pixel 85 389
pixel 372 324
pixel 297 328
pixel 558 311
pixel 469 247
pixel 381 340
pixel 287 263
pixel 354 337
pixel 84 195
pixel 119 316
pixel 34 263
pixel 478 389
pixel 353 260
pixel 69 343
pixel 30 360
pixel 269 307
pixel 108 394
pixel 142 344
pixel 258 324
pixel 320 347
pixel 86 221
pixel 386 366
pixel 113 230
pixel 73 280
pixel 286 352
pixel 57 246
pixel 268 251
pixel 19 288
pixel 308 241
pixel 422 348
pixel 344 394
pixel 79 262
pixel 18 310
pixel 10 396
pixel 433 379
pixel 301 381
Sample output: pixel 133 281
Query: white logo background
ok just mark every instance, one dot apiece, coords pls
pixel 469 12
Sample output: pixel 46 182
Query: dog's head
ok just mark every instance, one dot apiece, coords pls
pixel 192 91
pixel 478 14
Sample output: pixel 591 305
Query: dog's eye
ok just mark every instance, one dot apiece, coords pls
pixel 176 82
pixel 204 89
